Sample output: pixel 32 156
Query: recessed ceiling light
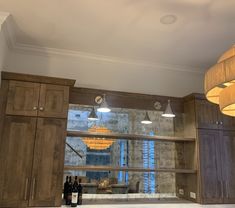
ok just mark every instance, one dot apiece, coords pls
pixel 168 19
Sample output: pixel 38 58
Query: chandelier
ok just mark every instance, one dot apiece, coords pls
pixel 98 143
pixel 220 83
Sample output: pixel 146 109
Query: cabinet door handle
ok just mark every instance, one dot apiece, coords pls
pixel 227 191
pixel 41 108
pixel 26 188
pixel 222 188
pixel 35 108
pixel 221 123
pixel 217 122
pixel 33 187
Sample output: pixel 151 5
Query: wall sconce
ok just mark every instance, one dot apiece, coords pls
pixel 104 106
pixel 146 119
pixel 93 116
pixel 168 112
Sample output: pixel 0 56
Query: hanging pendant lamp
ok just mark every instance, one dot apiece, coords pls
pixel 219 83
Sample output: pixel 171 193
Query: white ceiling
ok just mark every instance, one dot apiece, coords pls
pixel 129 29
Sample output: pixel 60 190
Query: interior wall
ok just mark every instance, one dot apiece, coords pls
pixel 4 50
pixel 99 73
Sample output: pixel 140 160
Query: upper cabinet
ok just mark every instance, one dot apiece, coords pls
pixel 208 116
pixel 23 98
pixel 35 99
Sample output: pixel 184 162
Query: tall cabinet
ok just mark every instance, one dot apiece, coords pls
pixel 215 135
pixel 32 139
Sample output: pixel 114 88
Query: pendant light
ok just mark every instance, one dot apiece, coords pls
pixel 168 112
pixel 146 119
pixel 93 116
pixel 104 106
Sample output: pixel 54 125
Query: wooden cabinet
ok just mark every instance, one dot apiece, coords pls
pixel 217 159
pixel 48 163
pixel 208 116
pixel 210 166
pixel 53 101
pixel 35 99
pixel 32 141
pixel 16 155
pixel 23 98
pixel 215 135
pixel 228 165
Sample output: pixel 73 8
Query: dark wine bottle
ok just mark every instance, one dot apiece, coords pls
pixel 74 200
pixel 80 192
pixel 66 186
pixel 69 194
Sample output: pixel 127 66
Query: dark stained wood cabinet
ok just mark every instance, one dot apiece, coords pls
pixel 53 101
pixel 22 98
pixel 210 166
pixel 47 171
pixel 16 155
pixel 228 165
pixel 32 141
pixel 35 99
pixel 215 135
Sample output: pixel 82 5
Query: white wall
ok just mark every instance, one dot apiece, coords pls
pixel 4 50
pixel 105 74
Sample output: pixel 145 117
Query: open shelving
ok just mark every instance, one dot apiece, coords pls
pixel 129 136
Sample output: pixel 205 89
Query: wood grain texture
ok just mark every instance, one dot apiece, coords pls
pixel 48 163
pixel 212 186
pixel 228 165
pixel 37 78
pixel 110 168
pixel 16 155
pixel 53 101
pixel 116 99
pixel 22 98
pixel 127 136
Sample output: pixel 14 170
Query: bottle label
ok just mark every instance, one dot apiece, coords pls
pixel 74 198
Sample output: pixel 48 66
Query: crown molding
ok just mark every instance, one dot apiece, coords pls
pixel 55 52
pixel 7 27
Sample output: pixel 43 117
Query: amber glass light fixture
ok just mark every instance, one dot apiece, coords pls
pixel 219 81
pixel 98 143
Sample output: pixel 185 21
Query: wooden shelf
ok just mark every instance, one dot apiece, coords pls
pixel 128 136
pixel 110 168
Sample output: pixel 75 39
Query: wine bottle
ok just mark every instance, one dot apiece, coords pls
pixel 74 193
pixel 66 185
pixel 69 194
pixel 80 192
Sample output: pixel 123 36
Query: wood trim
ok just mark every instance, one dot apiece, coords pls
pixel 37 79
pixel 117 99
pixel 110 168
pixel 128 136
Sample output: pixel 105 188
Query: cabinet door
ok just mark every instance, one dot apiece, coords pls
pixel 228 158
pixel 16 153
pixel 23 98
pixel 207 115
pixel 54 101
pixel 47 174
pixel 227 122
pixel 210 166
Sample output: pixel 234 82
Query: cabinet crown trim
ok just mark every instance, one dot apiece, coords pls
pixel 37 78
